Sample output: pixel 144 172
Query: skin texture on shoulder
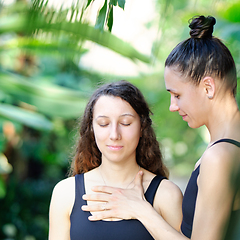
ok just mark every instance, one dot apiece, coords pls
pixel 61 205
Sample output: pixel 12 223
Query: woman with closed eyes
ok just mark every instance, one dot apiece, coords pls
pixel 116 142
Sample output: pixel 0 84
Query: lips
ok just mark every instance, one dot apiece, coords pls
pixel 184 116
pixel 114 148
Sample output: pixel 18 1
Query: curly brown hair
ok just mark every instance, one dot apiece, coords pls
pixel 148 154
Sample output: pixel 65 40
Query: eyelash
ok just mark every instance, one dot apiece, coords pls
pixel 176 96
pixel 124 124
pixel 103 125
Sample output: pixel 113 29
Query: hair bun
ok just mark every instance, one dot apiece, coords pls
pixel 202 27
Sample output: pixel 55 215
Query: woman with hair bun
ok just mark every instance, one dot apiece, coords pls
pixel 200 75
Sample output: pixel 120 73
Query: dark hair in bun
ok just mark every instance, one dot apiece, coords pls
pixel 202 55
pixel 202 27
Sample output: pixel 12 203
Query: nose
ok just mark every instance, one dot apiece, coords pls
pixel 115 132
pixel 173 105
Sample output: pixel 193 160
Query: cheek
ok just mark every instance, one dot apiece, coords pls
pixel 99 134
pixel 133 136
pixel 187 103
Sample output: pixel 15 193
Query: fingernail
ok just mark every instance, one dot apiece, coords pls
pixel 83 197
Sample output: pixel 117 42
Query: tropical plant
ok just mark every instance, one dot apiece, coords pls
pixel 31 96
pixel 43 91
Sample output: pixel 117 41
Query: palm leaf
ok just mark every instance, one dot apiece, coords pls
pixel 32 22
pixel 26 117
pixel 49 99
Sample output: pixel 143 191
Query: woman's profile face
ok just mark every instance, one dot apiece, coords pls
pixel 186 98
pixel 116 128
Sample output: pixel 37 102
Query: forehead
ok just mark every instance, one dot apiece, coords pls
pixel 110 105
pixel 175 81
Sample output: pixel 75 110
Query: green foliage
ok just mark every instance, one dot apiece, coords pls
pixel 88 3
pixel 48 98
pixel 58 27
pixel 105 14
pixel 101 16
pixel 43 91
pixel 26 117
pixel 110 18
pixel 121 3
pixel 231 11
pixel 2 188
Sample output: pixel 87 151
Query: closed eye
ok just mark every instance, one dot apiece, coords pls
pixel 126 124
pixel 103 125
pixel 173 93
pixel 177 96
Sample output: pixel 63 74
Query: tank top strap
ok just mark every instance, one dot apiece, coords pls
pixel 151 191
pixel 79 189
pixel 228 140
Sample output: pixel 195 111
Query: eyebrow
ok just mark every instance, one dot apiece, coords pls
pixel 171 90
pixel 127 114
pixel 123 115
pixel 101 116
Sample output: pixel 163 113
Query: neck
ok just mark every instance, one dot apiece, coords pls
pixel 117 175
pixel 224 119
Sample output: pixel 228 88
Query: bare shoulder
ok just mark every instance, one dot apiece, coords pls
pixel 222 157
pixel 65 186
pixel 223 149
pixel 168 197
pixel 63 195
pixel 218 164
pixel 169 191
pixel 166 188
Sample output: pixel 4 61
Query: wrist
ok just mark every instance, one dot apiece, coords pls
pixel 144 211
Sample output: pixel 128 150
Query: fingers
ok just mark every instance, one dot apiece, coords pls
pixel 96 197
pixel 102 211
pixel 95 207
pixel 100 216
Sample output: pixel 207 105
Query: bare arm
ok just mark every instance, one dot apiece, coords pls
pixel 168 203
pixel 215 194
pixel 60 209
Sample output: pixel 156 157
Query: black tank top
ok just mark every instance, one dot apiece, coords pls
pixel 83 229
pixel 190 196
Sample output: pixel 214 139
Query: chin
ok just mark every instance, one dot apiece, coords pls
pixel 191 125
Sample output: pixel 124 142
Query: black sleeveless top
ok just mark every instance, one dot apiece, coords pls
pixel 190 196
pixel 83 229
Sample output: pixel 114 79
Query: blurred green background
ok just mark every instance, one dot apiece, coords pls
pixel 53 55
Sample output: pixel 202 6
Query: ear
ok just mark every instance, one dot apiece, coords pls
pixel 209 86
